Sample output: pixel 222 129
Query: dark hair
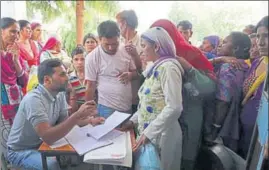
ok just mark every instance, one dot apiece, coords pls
pixel 78 50
pixel 7 22
pixel 108 29
pixel 89 35
pixel 130 17
pixel 46 68
pixel 185 24
pixel 262 23
pixel 23 23
pixel 251 27
pixel 243 42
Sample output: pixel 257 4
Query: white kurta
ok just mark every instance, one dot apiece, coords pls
pixel 159 109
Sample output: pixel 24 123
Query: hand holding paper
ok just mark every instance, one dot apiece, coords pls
pixel 111 123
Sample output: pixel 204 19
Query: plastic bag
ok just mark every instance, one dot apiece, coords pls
pixel 33 80
pixel 148 158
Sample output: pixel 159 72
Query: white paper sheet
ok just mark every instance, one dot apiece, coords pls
pixel 101 155
pixel 117 150
pixel 111 122
pixel 59 143
pixel 111 135
pixel 82 143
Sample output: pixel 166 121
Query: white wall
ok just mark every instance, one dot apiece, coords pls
pixel 13 9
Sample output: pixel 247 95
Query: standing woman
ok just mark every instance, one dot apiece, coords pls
pixel 253 86
pixel 13 76
pixel 28 48
pixel 89 42
pixel 254 52
pixel 229 90
pixel 160 96
pixel 198 89
pixel 37 34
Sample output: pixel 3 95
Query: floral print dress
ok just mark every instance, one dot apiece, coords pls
pixel 159 108
pixel 151 100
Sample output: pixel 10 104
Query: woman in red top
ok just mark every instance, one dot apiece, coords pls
pixel 28 49
pixel 13 77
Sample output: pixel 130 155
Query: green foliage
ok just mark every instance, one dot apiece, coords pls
pixel 94 13
pixel 208 21
pixel 49 9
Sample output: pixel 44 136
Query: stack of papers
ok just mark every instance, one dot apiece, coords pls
pixel 83 143
pixel 89 138
pixel 119 153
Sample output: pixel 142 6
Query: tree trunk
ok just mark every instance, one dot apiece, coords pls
pixel 79 21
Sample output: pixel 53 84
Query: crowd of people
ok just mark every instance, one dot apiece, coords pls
pixel 180 97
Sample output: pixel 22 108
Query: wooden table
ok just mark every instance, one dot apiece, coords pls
pixel 47 151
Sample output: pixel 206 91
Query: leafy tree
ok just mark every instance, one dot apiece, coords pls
pixel 50 10
pixel 207 20
pixel 94 13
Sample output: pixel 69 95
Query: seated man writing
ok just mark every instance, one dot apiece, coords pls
pixel 43 115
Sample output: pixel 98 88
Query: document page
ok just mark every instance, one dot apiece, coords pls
pixel 117 150
pixel 111 123
pixel 59 143
pixel 83 143
pixel 113 154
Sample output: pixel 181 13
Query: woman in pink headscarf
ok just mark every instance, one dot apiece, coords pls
pixel 52 49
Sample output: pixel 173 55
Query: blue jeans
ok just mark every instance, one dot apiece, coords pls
pixel 30 160
pixel 104 111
